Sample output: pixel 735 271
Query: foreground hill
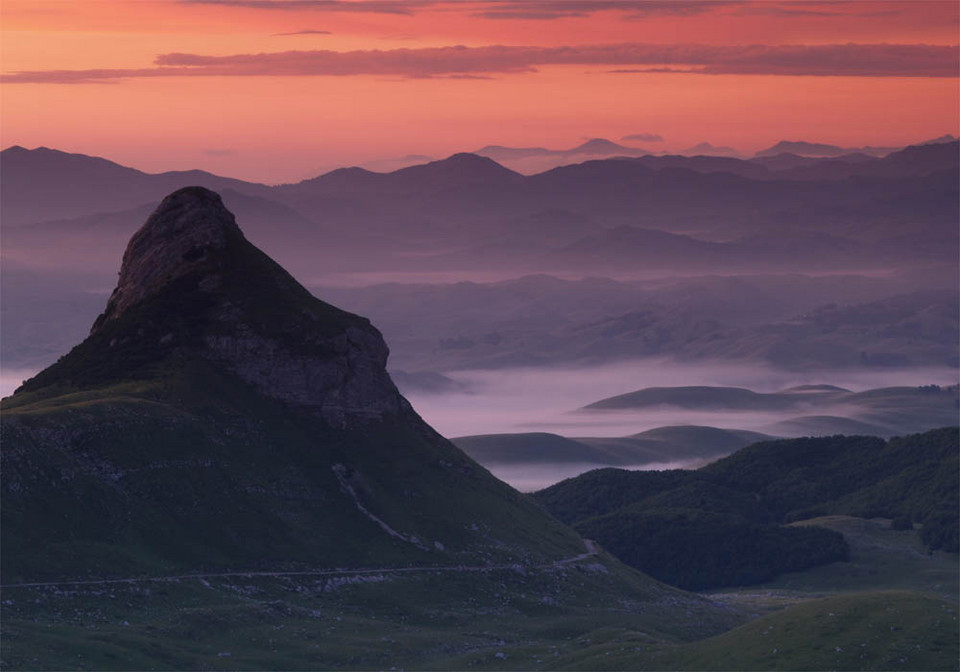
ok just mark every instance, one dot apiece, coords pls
pixel 723 524
pixel 219 416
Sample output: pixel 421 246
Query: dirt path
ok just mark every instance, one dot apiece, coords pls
pixel 591 550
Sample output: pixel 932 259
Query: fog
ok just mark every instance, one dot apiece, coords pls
pixel 546 400
pixel 533 477
pixel 543 400
pixel 11 379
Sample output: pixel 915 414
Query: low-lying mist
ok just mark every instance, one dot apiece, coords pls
pixel 533 477
pixel 11 379
pixel 543 400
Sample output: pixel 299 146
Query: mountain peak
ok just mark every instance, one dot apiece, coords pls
pixel 470 162
pixel 599 146
pixel 193 292
pixel 188 229
pixel 453 170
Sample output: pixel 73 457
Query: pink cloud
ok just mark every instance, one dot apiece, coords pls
pixel 559 9
pixel 303 32
pixel 839 60
pixel 370 6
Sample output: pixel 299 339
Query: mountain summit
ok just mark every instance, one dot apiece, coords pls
pixel 220 416
pixel 191 228
pixel 192 286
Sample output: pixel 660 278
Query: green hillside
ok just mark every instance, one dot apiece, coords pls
pixel 723 524
pixel 881 558
pixel 863 631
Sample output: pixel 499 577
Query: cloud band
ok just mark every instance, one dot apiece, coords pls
pixel 830 60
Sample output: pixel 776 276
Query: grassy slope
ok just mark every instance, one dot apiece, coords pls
pixel 157 478
pixel 719 525
pixel 443 620
pixel 881 558
pixel 887 630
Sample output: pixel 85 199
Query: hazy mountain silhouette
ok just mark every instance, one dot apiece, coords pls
pixel 592 147
pixel 708 164
pixel 468 198
pixel 706 149
pixel 662 445
pixel 804 148
pixel 626 218
pixel 46 184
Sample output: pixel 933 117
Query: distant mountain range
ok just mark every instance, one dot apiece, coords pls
pixel 67 217
pixel 593 148
pixel 707 149
pixel 464 211
pixel 530 160
pixel 819 149
pixel 44 184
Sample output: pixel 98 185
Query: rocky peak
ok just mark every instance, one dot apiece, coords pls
pixel 193 288
pixel 189 229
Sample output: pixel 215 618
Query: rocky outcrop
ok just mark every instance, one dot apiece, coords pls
pixel 188 229
pixel 351 384
pixel 191 252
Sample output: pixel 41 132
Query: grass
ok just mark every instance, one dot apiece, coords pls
pixel 889 630
pixel 434 621
pixel 862 631
pixel 880 558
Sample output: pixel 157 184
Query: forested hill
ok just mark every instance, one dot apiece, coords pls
pixel 725 524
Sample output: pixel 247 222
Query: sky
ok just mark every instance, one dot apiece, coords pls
pixel 282 90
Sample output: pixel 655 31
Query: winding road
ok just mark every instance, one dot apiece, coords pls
pixel 591 551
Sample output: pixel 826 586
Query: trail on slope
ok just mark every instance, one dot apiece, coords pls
pixel 591 551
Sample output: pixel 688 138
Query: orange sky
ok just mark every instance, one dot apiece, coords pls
pixel 368 82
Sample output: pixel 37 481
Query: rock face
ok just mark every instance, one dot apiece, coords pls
pixel 190 228
pixel 220 299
